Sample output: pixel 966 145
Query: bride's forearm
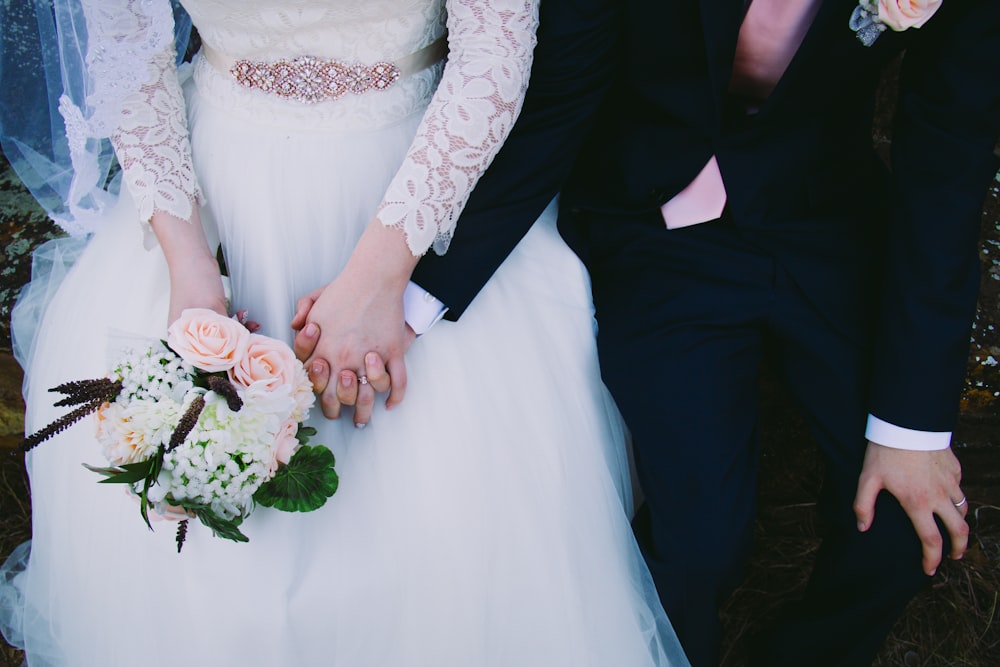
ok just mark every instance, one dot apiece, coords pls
pixel 195 278
pixel 184 246
pixel 383 258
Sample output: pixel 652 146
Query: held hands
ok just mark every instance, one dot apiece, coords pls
pixel 926 484
pixel 352 335
pixel 345 388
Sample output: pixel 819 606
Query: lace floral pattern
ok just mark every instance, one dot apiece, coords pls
pixel 151 143
pixel 122 33
pixel 467 121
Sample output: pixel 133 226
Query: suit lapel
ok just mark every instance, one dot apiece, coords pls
pixel 720 20
pixel 832 18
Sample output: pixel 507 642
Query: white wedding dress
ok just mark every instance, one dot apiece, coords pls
pixel 484 522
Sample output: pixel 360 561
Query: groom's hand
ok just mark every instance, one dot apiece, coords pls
pixel 926 484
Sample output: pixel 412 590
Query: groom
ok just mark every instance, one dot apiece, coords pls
pixel 728 201
pixel 756 123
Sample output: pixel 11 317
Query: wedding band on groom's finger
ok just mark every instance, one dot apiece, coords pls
pixel 961 503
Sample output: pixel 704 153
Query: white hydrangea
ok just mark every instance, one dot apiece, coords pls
pixel 226 456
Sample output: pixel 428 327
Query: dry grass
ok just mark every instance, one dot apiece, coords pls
pixel 15 525
pixel 953 623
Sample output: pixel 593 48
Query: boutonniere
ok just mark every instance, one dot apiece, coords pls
pixel 871 17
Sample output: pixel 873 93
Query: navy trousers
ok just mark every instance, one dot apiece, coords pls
pixel 684 317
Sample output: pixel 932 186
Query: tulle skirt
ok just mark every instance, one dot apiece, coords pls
pixel 482 522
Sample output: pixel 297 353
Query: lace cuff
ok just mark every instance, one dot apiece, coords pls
pixel 468 119
pixel 152 144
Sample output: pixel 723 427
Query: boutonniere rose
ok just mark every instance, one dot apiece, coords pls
pixel 871 17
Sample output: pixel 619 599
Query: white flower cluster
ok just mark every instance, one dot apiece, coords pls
pixel 157 373
pixel 228 455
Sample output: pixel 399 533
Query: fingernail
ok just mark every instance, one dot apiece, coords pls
pixel 370 358
pixel 316 369
pixel 310 330
pixel 360 426
pixel 861 526
pixel 345 379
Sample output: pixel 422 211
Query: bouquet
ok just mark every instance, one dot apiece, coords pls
pixel 206 424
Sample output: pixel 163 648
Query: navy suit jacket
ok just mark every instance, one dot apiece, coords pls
pixel 802 173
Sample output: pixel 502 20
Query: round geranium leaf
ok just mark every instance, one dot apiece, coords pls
pixel 303 484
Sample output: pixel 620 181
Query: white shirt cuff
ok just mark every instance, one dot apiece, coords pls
pixel 421 309
pixel 889 435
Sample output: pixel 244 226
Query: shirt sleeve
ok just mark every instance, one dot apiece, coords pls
pixel 897 437
pixel 421 309
pixel 480 95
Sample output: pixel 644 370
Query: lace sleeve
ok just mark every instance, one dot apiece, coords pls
pixel 479 97
pixel 151 142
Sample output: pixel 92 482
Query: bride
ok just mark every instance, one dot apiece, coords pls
pixel 480 521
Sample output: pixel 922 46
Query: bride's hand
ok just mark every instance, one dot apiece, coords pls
pixel 195 279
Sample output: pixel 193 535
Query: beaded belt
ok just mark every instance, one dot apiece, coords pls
pixel 308 79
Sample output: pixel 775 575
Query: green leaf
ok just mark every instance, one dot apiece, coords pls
pixel 133 473
pixel 144 506
pixel 148 481
pixel 157 467
pixel 130 473
pixel 304 433
pixel 225 528
pixel 303 484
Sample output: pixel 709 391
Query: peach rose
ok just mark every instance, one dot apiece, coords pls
pixel 902 14
pixel 266 360
pixel 208 340
pixel 285 444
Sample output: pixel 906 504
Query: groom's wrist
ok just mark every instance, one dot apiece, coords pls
pixel 421 309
